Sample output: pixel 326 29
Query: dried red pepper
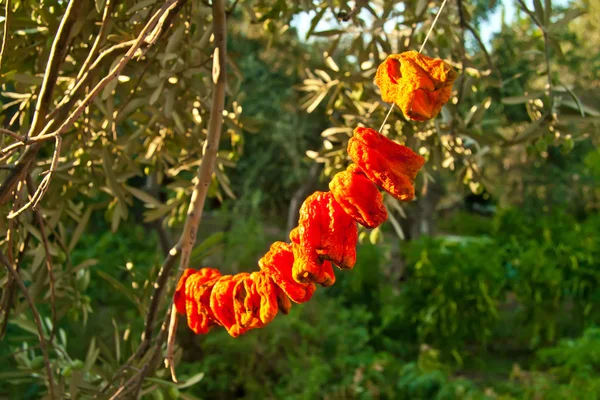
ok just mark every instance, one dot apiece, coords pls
pixel 325 227
pixel 221 303
pixel 255 301
pixel 358 196
pixel 418 84
pixel 199 316
pixel 179 298
pixel 387 164
pixel 278 263
pixel 308 266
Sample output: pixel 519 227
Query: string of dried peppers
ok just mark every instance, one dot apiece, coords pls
pixel 327 232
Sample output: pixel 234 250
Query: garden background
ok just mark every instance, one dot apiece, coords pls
pixel 486 286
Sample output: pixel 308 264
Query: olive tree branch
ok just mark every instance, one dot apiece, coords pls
pixel 40 221
pixel 37 319
pixel 148 33
pixel 546 49
pixel 108 7
pixel 211 146
pixel 55 59
pixel 347 16
pixel 7 6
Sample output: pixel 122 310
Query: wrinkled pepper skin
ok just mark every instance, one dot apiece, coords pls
pixel 325 227
pixel 199 316
pixel 418 84
pixel 221 303
pixel 278 264
pixel 255 301
pixel 179 298
pixel 387 164
pixel 359 197
pixel 308 266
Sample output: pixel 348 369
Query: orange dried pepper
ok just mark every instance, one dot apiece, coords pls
pixel 255 301
pixel 418 84
pixel 278 263
pixel 283 301
pixel 325 227
pixel 179 295
pixel 308 266
pixel 358 196
pixel 199 317
pixel 221 302
pixel 387 164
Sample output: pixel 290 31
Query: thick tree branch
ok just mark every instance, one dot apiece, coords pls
pixel 38 321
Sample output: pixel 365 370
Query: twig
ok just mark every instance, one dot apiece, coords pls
pixel 113 74
pixel 55 59
pixel 44 184
pixel 211 146
pixel 358 5
pixel 42 225
pixel 9 288
pixel 466 25
pixel 5 34
pixel 546 49
pixel 108 7
pixel 12 134
pixel 37 319
pixel 159 285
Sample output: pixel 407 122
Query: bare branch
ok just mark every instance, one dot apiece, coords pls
pixel 12 134
pixel 211 146
pixel 37 319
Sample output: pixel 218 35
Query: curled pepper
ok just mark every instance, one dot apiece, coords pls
pixel 358 196
pixel 255 301
pixel 387 164
pixel 418 84
pixel 325 228
pixel 283 301
pixel 221 303
pixel 199 316
pixel 278 263
pixel 308 266
pixel 179 295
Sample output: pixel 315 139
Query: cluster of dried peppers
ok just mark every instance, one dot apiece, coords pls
pixel 327 232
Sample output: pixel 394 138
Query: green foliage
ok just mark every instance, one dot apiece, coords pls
pixel 452 291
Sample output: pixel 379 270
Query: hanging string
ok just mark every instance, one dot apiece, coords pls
pixel 420 50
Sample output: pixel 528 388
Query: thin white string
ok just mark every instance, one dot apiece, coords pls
pixel 420 50
pixel 386 117
pixel 433 24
